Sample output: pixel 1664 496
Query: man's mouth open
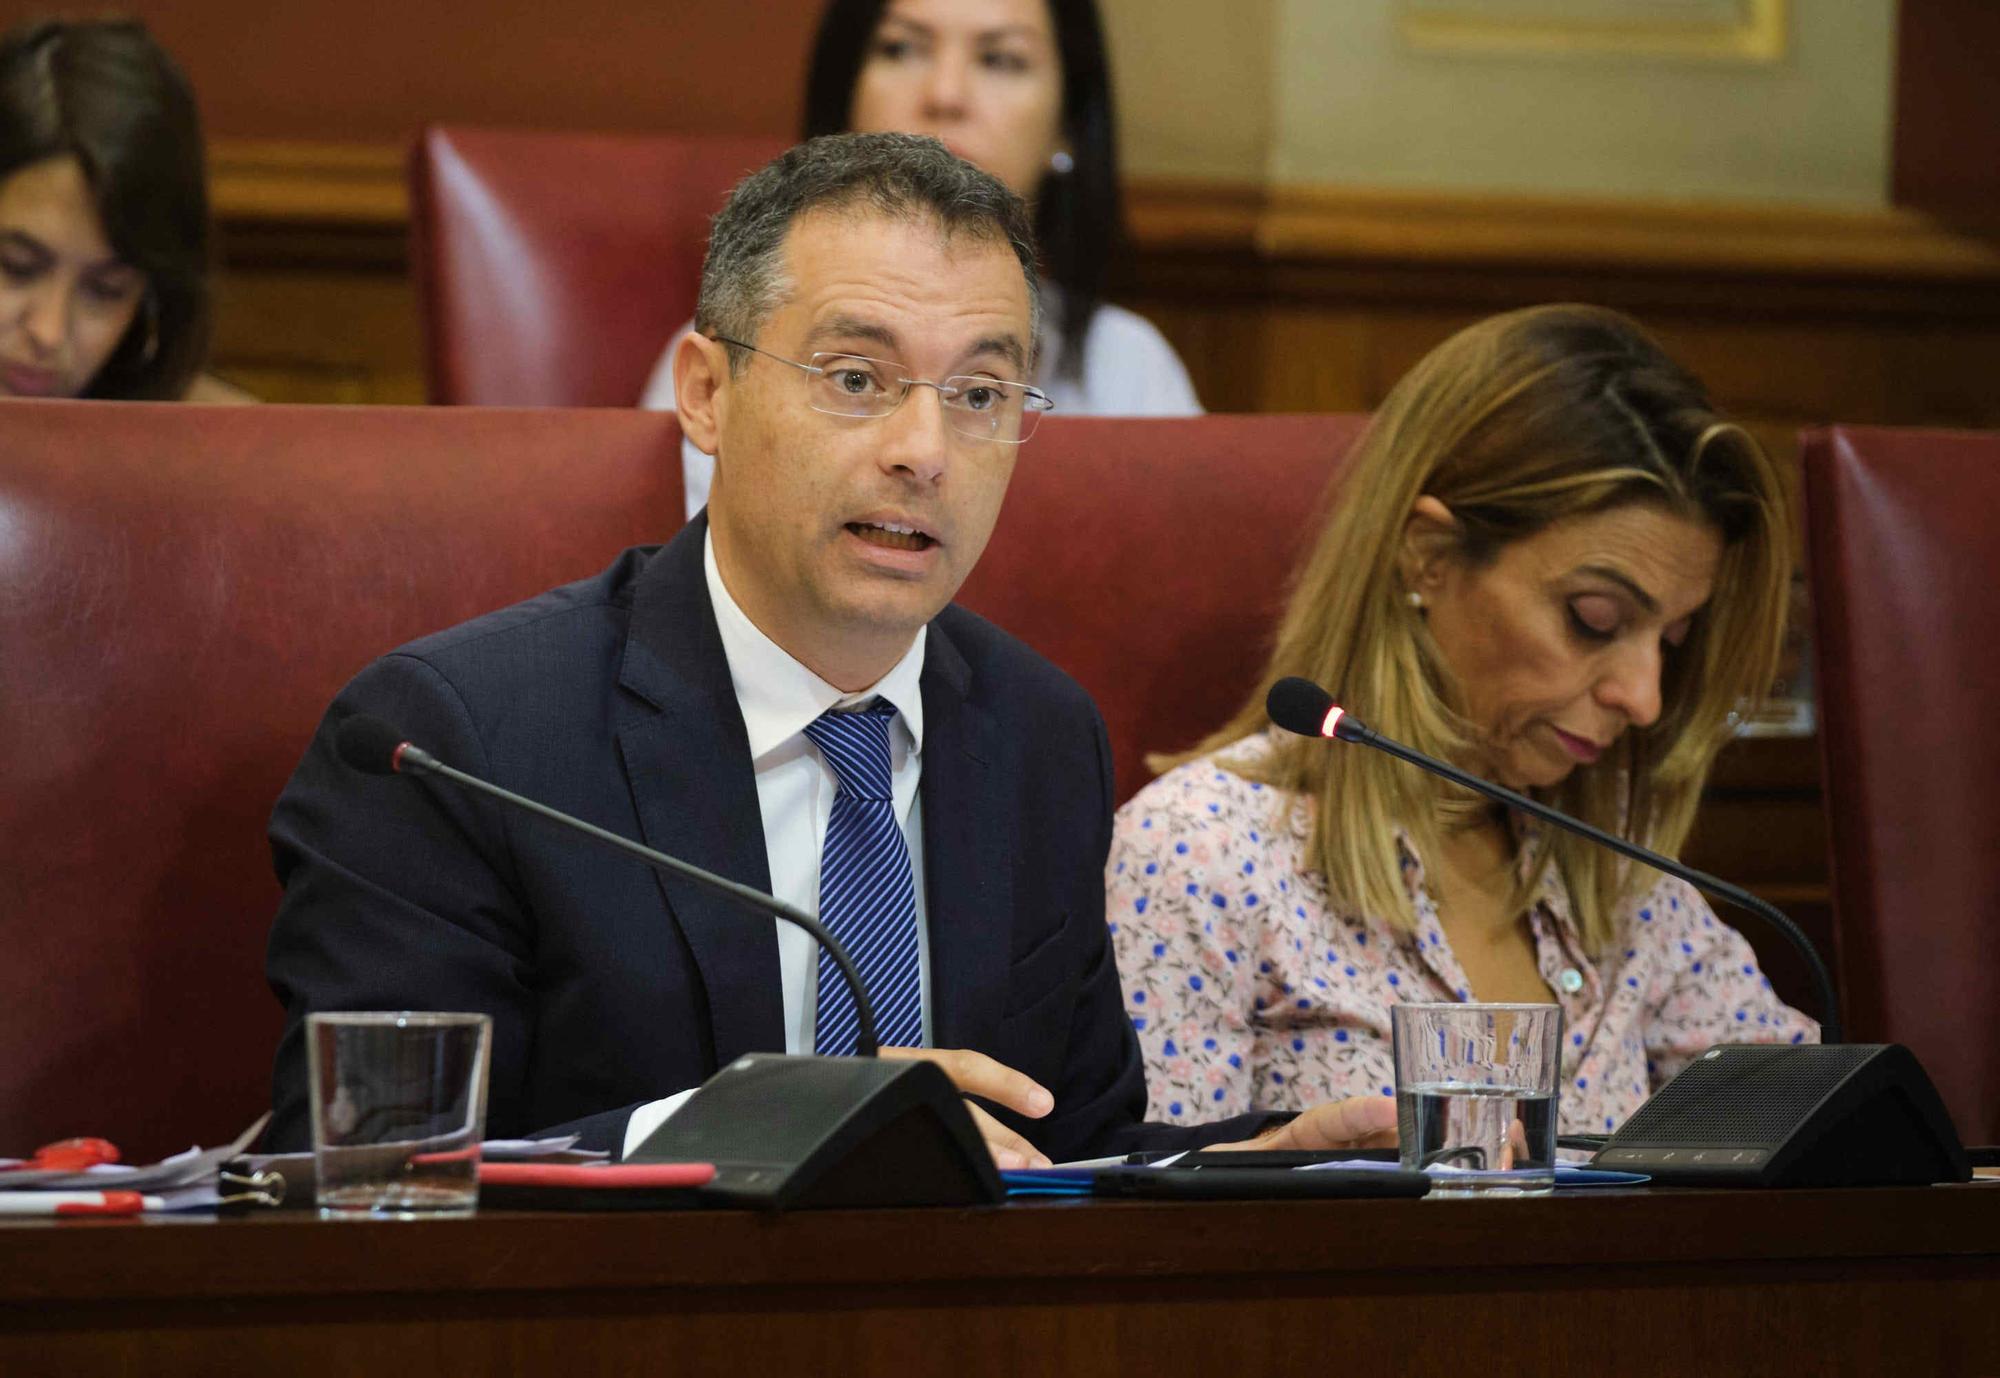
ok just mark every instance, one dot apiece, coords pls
pixel 891 535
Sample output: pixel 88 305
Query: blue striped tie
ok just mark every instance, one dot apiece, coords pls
pixel 865 895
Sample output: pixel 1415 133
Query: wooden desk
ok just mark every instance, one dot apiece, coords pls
pixel 1631 1283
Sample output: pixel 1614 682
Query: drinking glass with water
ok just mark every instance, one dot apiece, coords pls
pixel 1476 1095
pixel 398 1111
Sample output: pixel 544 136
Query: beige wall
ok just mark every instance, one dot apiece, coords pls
pixel 1329 92
pixel 1194 84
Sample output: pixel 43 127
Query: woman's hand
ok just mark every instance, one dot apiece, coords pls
pixel 1358 1122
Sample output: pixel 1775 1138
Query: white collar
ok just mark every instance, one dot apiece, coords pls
pixel 779 695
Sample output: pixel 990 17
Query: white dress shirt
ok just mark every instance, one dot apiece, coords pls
pixel 779 697
pixel 1129 369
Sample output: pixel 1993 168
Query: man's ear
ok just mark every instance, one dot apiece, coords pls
pixel 1429 536
pixel 701 389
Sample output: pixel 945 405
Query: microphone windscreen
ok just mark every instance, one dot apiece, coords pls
pixel 1298 705
pixel 368 744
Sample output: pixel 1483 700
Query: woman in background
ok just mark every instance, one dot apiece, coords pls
pixel 1022 89
pixel 104 288
pixel 1554 565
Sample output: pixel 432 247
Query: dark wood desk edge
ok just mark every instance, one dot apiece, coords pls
pixel 285 1254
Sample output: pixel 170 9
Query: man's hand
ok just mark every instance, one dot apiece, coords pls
pixel 1359 1122
pixel 979 1075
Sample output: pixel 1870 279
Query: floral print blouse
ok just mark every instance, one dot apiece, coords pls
pixel 1250 990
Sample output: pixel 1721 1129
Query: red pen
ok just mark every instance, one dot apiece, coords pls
pixel 77 1203
pixel 596 1175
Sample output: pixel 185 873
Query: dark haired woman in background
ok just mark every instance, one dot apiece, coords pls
pixel 103 218
pixel 1022 89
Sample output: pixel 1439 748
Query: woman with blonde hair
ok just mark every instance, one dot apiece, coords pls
pixel 1553 564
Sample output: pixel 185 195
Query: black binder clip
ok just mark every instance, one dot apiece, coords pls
pixel 246 1190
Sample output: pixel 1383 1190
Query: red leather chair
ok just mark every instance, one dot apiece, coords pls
pixel 552 268
pixel 1900 531
pixel 1149 559
pixel 182 590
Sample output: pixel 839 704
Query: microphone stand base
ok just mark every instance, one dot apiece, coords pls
pixel 1793 1115
pixel 797 1133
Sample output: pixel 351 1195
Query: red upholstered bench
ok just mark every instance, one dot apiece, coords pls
pixel 182 590
pixel 1149 559
pixel 553 267
pixel 1900 532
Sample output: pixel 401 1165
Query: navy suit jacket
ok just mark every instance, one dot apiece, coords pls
pixel 611 985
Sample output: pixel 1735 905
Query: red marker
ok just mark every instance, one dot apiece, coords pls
pixel 533 1174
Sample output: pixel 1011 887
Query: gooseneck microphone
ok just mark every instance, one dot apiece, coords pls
pixel 1299 705
pixel 373 747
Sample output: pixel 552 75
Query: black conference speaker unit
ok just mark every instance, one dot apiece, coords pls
pixel 1793 1115
pixel 789 1132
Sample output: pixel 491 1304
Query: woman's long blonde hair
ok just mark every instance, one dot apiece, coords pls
pixel 1513 424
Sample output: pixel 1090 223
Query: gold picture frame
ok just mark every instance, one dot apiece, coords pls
pixel 1727 31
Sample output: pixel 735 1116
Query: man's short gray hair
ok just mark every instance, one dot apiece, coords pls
pixel 904 176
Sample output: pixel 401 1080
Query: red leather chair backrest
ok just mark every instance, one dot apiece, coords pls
pixel 1900 531
pixel 1149 559
pixel 182 590
pixel 552 268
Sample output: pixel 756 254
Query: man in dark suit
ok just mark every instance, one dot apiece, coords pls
pixel 867 318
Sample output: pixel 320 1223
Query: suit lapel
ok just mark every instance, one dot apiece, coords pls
pixel 687 763
pixel 969 828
